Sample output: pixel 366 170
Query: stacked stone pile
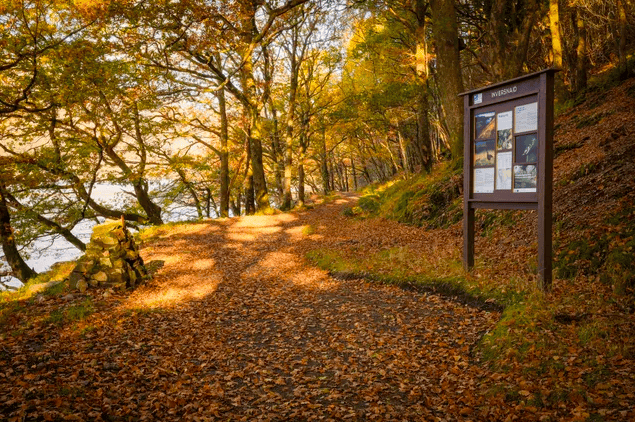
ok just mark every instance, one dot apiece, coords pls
pixel 111 261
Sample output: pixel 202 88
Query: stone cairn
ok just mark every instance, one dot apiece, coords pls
pixel 111 260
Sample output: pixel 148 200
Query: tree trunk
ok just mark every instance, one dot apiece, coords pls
pixel 293 89
pixel 253 106
pixel 143 197
pixel 345 172
pixel 224 154
pixel 277 154
pixel 80 191
pixel 554 28
pixel 139 184
pixel 250 205
pixel 190 188
pixel 520 53
pixel 331 168
pixel 54 226
pixel 423 130
pixel 393 161
pixel 235 204
pixel 19 268
pixel 422 69
pixel 57 168
pixel 208 202
pixel 499 36
pixel 304 144
pixel 326 187
pixel 354 174
pixel 366 175
pixel 621 50
pixel 403 147
pixel 257 166
pixel 556 45
pixel 446 38
pixel 301 193
pixel 581 53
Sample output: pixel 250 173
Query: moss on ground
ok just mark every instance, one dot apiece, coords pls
pixel 428 200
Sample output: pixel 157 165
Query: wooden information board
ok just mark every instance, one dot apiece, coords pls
pixel 508 158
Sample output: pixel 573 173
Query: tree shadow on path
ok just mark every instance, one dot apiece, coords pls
pixel 236 325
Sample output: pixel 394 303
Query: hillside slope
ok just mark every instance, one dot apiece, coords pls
pixel 594 191
pixel 573 348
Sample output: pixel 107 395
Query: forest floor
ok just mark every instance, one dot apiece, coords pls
pixel 239 323
pixel 236 324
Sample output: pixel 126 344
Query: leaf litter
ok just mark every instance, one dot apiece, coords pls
pixel 236 325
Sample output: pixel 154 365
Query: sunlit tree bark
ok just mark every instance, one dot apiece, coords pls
pixel 446 39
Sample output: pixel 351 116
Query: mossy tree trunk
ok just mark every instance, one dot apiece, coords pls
pixel 581 52
pixel 19 268
pixel 446 39
pixel 424 141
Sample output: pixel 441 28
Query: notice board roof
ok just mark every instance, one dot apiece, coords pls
pixel 509 81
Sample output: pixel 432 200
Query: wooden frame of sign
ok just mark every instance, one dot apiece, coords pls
pixel 508 157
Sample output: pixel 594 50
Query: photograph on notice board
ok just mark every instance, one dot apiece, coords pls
pixel 527 148
pixel 504 171
pixel 504 128
pixel 505 139
pixel 484 154
pixel 525 178
pixel 485 125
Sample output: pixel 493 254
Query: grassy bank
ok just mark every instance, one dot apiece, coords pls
pixel 574 344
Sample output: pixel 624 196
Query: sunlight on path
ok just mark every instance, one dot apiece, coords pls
pixel 287 338
pixel 236 325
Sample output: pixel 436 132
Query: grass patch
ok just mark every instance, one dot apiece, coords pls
pixel 56 317
pixel 308 230
pixel 518 332
pixel 12 303
pixel 430 200
pixel 410 270
pixel 56 289
pixel 49 283
pixel 72 314
pixel 591 120
pixel 80 312
pixel 489 220
pixel 164 230
pixel 84 332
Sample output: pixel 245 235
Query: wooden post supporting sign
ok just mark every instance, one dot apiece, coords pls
pixel 508 159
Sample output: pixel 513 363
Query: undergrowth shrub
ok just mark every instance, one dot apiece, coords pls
pixel 369 203
pixel 431 200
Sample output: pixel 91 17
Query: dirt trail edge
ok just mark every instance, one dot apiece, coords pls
pixel 237 325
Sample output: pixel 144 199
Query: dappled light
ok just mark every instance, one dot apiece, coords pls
pixel 172 258
pixel 203 264
pixel 290 186
pixel 264 221
pixel 182 290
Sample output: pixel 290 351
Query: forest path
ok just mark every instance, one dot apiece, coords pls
pixel 237 325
